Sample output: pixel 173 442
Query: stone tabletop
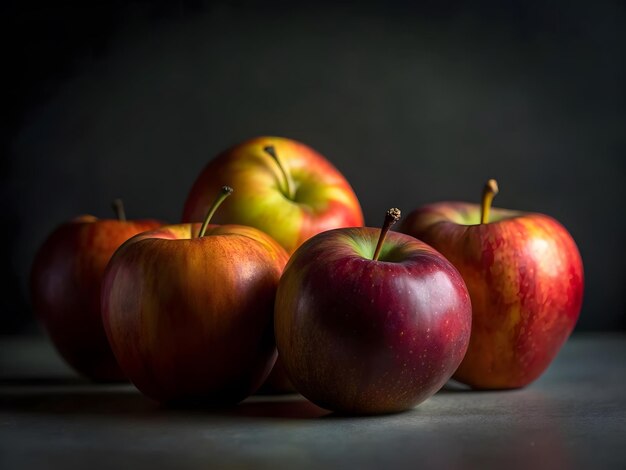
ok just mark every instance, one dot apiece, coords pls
pixel 574 416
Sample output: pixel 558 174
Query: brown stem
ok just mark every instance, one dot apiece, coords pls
pixel 289 190
pixel 392 216
pixel 225 191
pixel 489 192
pixel 118 208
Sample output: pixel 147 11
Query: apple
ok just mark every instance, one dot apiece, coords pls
pixel 370 322
pixel 188 310
pixel 525 278
pixel 284 188
pixel 65 288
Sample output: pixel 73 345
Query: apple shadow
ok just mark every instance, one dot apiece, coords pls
pixel 280 406
pixel 289 409
pixel 75 401
pixel 341 416
pixel 452 386
pixel 75 396
pixel 42 381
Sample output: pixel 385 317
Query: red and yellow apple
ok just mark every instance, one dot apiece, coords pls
pixel 284 188
pixel 188 310
pixel 370 323
pixel 525 278
pixel 65 288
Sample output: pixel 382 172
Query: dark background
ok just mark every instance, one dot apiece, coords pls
pixel 413 103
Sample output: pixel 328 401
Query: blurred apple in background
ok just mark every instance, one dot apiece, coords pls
pixel 65 288
pixel 370 323
pixel 188 310
pixel 285 189
pixel 525 277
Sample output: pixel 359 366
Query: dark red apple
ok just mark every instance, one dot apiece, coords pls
pixel 525 277
pixel 370 323
pixel 65 289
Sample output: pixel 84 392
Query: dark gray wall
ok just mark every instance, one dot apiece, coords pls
pixel 412 104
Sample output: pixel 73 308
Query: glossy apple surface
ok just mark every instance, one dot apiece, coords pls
pixel 322 198
pixel 65 290
pixel 525 278
pixel 190 319
pixel 360 336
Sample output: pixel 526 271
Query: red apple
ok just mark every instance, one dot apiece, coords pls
pixel 284 188
pixel 364 330
pixel 65 289
pixel 525 277
pixel 188 310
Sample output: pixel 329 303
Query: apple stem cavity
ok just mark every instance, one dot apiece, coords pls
pixel 118 208
pixel 392 216
pixel 489 192
pixel 225 191
pixel 289 190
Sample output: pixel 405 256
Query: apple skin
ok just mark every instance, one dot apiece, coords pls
pixel 525 277
pixel 324 199
pixel 359 336
pixel 65 290
pixel 190 319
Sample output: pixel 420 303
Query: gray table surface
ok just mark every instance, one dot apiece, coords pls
pixel 574 416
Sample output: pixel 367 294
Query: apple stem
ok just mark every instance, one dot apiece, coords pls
pixel 489 192
pixel 118 208
pixel 392 216
pixel 225 191
pixel 289 185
